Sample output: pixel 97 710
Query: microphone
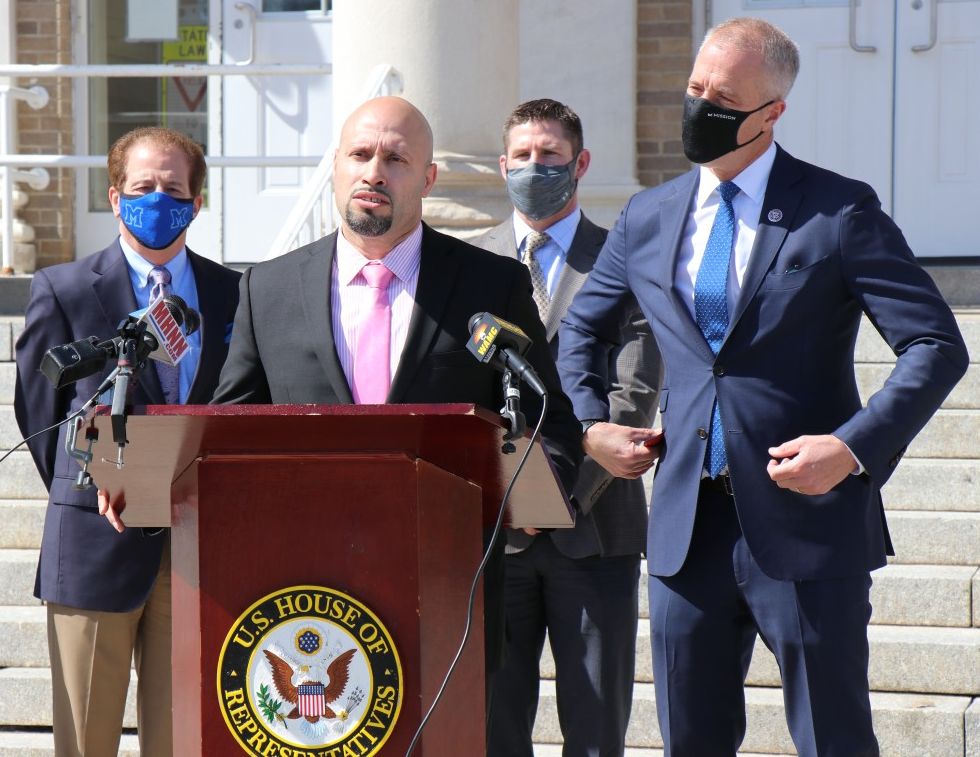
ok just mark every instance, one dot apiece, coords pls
pixel 157 328
pixel 503 344
pixel 164 319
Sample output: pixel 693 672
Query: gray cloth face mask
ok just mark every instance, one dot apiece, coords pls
pixel 540 191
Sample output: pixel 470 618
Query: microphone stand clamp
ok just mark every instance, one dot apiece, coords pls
pixel 511 411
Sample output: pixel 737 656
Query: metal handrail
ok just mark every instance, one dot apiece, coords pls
pixel 159 70
pixel 213 161
pixel 37 97
pixel 312 216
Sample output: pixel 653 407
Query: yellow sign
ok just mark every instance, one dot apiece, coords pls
pixel 190 47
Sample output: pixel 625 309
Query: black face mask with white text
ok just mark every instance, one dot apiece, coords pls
pixel 710 131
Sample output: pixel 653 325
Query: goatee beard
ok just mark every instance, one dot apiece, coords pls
pixel 367 224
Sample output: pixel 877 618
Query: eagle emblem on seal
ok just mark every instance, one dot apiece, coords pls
pixel 311 699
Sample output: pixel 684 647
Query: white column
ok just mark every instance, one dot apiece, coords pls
pixel 459 62
pixel 583 53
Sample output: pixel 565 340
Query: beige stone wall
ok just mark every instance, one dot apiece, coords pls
pixel 664 56
pixel 44 36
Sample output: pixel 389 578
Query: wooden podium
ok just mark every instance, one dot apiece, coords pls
pixel 303 532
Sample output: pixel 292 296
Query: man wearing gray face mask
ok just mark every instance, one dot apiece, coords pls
pixel 579 585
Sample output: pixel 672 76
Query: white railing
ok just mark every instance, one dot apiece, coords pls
pixel 313 215
pixel 15 168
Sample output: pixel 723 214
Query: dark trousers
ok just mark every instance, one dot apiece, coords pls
pixel 704 621
pixel 588 606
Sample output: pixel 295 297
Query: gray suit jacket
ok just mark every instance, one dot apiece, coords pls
pixel 612 516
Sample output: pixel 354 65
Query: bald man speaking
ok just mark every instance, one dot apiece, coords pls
pixel 378 311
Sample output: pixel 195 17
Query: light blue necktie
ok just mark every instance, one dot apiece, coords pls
pixel 711 306
pixel 169 375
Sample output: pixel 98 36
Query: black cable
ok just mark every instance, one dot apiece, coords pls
pixel 476 578
pixel 83 409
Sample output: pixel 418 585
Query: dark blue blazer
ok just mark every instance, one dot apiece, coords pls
pixel 824 254
pixel 84 562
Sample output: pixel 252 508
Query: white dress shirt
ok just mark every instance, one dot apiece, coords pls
pixel 752 182
pixel 747 205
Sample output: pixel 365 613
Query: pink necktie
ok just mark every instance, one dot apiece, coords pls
pixel 372 355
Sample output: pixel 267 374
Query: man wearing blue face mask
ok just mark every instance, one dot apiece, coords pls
pixel 579 585
pixel 107 588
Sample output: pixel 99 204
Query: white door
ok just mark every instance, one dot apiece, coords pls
pixel 271 116
pixel 105 109
pixel 937 125
pixel 869 106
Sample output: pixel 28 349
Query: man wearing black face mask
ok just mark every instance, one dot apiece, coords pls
pixel 108 593
pixel 579 585
pixel 754 270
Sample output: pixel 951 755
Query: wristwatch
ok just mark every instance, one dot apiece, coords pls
pixel 589 423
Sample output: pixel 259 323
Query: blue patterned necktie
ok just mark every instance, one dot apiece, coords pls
pixel 711 306
pixel 169 375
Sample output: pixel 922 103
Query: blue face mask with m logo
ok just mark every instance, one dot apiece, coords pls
pixel 155 219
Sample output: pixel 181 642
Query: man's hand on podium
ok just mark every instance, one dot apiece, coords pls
pixel 112 506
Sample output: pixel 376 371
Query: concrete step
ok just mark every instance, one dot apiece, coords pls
pixel 555 750
pixel 966 394
pixel 907 725
pixel 25 698
pixel 945 596
pixel 9 433
pixel 17 568
pixel 24 634
pixel 23 522
pixel 41 744
pixel 10 328
pixel 8 372
pixel 871 348
pixel 943 485
pixel 973 729
pixel 935 538
pixel 920 598
pixel 949 434
pixel 925 595
pixel 19 478
pixel 903 659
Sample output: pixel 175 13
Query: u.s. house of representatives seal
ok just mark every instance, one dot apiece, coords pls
pixel 308 671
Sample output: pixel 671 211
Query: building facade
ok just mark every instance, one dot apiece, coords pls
pixel 882 96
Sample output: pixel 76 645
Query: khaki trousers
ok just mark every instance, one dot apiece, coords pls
pixel 91 655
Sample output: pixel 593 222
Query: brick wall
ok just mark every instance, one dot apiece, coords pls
pixel 44 36
pixel 664 56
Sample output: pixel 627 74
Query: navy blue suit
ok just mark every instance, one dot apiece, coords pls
pixel 824 255
pixel 84 562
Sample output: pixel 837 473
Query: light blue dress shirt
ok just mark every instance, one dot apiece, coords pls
pixel 182 284
pixel 552 255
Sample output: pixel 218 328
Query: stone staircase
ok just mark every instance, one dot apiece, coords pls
pixel 925 633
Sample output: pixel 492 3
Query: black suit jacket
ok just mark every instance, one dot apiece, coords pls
pixel 282 350
pixel 613 511
pixel 84 562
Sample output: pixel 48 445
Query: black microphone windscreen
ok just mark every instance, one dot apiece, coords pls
pixel 68 363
